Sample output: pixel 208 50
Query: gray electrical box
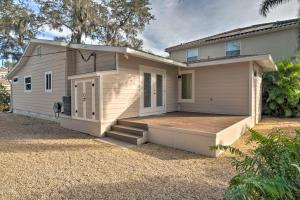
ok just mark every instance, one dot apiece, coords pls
pixel 67 105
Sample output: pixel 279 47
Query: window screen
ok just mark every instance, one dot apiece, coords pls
pixel 186 86
pixel 192 55
pixel 27 83
pixel 233 48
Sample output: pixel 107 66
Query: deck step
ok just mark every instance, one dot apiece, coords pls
pixel 129 130
pixel 132 139
pixel 133 124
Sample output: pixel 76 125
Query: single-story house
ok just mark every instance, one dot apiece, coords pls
pixel 139 97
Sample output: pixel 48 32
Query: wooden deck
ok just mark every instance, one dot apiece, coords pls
pixel 207 123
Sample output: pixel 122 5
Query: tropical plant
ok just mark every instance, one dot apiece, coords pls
pixel 4 99
pixel 281 89
pixel 270 171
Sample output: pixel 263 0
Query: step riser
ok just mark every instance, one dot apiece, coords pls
pixel 123 138
pixel 133 124
pixel 129 131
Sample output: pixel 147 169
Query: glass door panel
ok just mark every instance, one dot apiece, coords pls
pixel 159 90
pixel 147 90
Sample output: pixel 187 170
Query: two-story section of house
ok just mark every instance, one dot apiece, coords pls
pixel 276 38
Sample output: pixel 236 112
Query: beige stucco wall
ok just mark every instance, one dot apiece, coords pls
pixel 222 89
pixel 38 102
pixel 121 90
pixel 280 45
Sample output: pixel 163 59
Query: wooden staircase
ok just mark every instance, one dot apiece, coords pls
pixel 131 132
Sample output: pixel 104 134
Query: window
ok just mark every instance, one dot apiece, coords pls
pixel 233 48
pixel 39 51
pixel 48 82
pixel 15 80
pixel 192 55
pixel 27 83
pixel 186 86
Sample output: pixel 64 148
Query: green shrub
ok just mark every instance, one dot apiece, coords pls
pixel 270 171
pixel 4 99
pixel 281 89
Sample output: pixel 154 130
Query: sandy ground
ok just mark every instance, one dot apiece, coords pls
pixel 41 160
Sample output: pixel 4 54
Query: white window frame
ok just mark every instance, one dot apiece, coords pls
pixel 192 100
pixel 16 81
pixel 39 51
pixel 188 51
pixel 28 76
pixel 45 81
pixel 225 46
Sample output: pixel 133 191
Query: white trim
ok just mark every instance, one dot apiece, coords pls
pixel 264 61
pixel 153 109
pixel 192 100
pixel 93 100
pixel 94 74
pixel 75 98
pixel 28 76
pixel 14 83
pixel 101 110
pixel 45 81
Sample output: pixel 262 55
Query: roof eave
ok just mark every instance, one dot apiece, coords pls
pixel 265 61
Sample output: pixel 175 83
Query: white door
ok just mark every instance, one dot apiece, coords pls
pixel 153 92
pixel 84 99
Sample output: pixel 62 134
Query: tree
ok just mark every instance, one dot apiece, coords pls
pixel 4 99
pixel 18 24
pixel 113 22
pixel 124 20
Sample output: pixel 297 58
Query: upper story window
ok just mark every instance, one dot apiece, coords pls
pixel 233 48
pixel 192 55
pixel 48 82
pixel 27 83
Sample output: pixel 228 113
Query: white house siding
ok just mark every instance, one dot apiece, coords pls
pixel 121 91
pixel 38 102
pixel 222 89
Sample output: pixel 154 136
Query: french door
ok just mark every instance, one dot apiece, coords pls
pixel 152 91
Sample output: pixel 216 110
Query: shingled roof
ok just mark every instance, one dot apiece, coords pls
pixel 239 33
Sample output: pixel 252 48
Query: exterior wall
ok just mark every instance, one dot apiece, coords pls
pixel 257 93
pixel 222 89
pixel 105 61
pixel 280 45
pixel 39 103
pixel 121 91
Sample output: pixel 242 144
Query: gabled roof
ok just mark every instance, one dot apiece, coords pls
pixel 123 50
pixel 239 33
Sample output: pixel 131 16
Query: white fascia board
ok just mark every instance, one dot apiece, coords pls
pixel 154 57
pixel 265 61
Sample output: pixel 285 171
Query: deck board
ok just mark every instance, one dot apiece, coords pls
pixel 208 123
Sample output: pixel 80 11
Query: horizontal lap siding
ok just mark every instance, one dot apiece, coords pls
pixel 221 90
pixel 38 101
pixel 121 91
pixel 104 61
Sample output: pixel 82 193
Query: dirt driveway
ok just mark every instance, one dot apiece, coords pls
pixel 41 160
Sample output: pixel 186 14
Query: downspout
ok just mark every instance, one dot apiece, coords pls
pixel 95 57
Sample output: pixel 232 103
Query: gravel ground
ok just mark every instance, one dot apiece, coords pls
pixel 41 160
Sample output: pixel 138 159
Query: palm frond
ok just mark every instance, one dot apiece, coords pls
pixel 269 4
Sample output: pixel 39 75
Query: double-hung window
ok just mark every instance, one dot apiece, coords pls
pixel 186 86
pixel 27 84
pixel 233 48
pixel 192 55
pixel 48 82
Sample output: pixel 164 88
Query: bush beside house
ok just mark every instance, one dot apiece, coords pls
pixel 4 99
pixel 281 89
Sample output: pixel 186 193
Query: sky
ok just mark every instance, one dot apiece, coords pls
pixel 179 21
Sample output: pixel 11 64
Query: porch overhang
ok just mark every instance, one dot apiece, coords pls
pixel 265 61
